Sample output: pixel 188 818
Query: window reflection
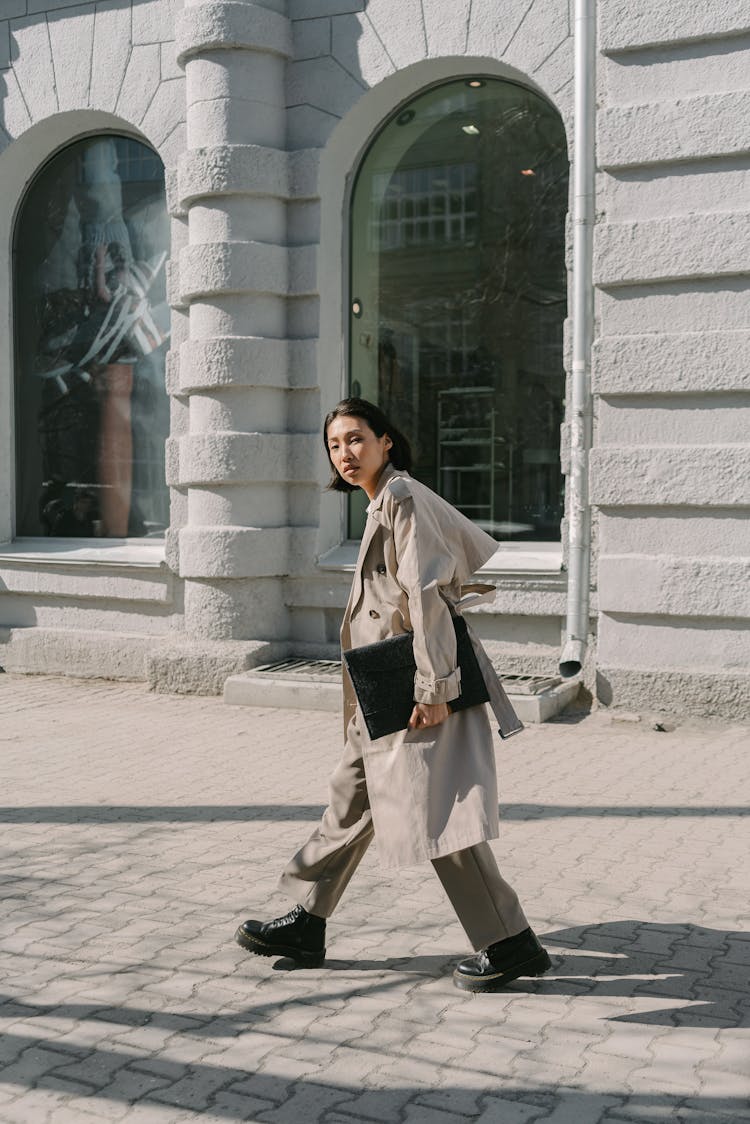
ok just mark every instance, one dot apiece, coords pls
pixel 458 219
pixel 92 325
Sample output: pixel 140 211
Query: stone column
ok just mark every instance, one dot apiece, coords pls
pixel 247 460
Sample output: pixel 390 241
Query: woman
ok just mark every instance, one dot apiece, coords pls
pixel 428 792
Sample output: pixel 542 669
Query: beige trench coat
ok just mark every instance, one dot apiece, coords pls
pixel 431 791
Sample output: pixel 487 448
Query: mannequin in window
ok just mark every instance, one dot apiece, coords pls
pixel 106 257
pixel 93 335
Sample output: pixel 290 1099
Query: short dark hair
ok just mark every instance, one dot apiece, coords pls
pixel 399 453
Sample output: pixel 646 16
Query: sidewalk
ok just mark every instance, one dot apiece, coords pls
pixel 139 829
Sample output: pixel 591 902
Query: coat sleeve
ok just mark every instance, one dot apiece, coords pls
pixel 423 566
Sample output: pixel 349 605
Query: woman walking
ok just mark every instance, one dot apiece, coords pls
pixel 428 792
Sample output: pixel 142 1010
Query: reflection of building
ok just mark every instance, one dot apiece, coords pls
pixel 92 329
pixel 455 250
pixel 465 195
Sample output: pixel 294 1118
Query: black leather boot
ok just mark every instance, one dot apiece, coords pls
pixel 298 934
pixel 501 962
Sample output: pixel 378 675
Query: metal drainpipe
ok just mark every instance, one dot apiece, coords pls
pixel 579 512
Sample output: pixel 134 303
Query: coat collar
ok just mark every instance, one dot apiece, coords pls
pixel 374 519
pixel 376 502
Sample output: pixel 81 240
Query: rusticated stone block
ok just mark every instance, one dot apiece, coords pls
pixel 682 641
pixel 700 475
pixel 233 552
pixel 215 26
pixel 201 667
pixel 246 458
pixel 235 73
pixel 324 84
pixel 245 552
pixel 701 693
pixel 246 267
pixel 304 166
pixel 663 420
pixel 306 9
pixel 94 654
pixel 154 21
pixel 221 267
pixel 246 361
pixel 33 67
pixel 696 128
pixel 247 169
pixel 666 585
pixel 714 304
pixel 672 363
pixel 674 531
pixel 71 39
pixel 691 246
pixel 624 26
pixel 140 83
pixel 172 461
pixel 356 45
pixel 311 38
pixel 232 169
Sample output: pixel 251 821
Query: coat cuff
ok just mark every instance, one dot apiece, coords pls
pixel 437 690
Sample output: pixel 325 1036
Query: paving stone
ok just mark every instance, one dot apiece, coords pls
pixel 498 1109
pixel 131 862
pixel 428 1114
pixel 378 1104
pixel 580 1108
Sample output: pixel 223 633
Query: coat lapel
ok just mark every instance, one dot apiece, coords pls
pixel 374 519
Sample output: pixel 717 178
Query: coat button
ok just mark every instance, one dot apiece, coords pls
pixel 381 568
pixel 375 616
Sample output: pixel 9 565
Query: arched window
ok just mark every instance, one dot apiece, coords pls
pixel 458 297
pixel 91 323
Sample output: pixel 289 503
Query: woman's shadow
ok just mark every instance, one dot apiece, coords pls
pixel 703 971
pixel 699 974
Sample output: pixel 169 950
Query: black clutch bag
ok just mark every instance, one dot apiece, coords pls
pixel 383 678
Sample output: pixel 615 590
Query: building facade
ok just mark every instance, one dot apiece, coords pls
pixel 222 217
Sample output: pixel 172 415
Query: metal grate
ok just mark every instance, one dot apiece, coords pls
pixel 331 669
pixel 307 669
pixel 527 684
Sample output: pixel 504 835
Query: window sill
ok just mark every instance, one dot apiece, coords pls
pixel 139 553
pixel 509 558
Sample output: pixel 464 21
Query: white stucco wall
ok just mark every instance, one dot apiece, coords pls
pixel 354 64
pixel 671 470
pixel 261 112
pixel 66 71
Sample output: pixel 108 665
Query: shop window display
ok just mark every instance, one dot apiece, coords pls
pixel 92 328
pixel 458 298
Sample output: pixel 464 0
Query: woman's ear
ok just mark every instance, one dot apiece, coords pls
pixel 388 443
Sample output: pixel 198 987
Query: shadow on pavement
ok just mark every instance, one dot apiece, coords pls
pixel 234 1093
pixel 701 973
pixel 706 970
pixel 691 964
pixel 220 813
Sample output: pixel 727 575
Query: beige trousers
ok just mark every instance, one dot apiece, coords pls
pixel 487 907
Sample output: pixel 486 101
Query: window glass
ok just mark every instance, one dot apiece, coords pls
pixel 458 297
pixel 92 324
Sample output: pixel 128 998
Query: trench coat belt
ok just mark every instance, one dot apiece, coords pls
pixel 507 720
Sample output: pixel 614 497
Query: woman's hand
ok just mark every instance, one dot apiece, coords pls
pixel 428 714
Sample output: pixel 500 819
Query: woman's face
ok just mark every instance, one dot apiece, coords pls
pixel 356 453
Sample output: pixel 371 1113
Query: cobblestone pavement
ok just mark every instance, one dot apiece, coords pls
pixel 138 829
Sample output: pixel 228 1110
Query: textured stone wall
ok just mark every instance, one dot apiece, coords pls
pixel 354 62
pixel 68 70
pixel 670 472
pixel 246 462
pixel 345 47
pixel 247 103
pixel 113 56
